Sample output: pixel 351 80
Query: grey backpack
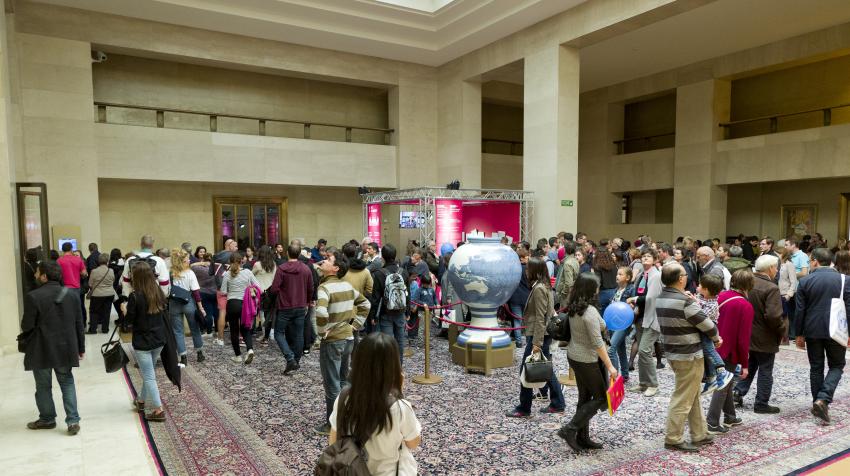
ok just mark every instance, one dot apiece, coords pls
pixel 395 292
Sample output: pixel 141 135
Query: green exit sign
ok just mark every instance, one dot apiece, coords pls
pixel 566 203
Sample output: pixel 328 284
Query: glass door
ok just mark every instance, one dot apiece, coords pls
pixel 33 225
pixel 250 221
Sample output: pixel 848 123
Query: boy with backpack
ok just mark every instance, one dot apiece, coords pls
pixel 390 298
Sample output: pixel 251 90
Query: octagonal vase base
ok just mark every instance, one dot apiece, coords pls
pixel 498 358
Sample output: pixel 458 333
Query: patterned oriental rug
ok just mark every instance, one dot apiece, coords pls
pixel 245 420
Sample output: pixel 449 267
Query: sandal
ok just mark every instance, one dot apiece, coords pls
pixel 155 416
pixel 140 406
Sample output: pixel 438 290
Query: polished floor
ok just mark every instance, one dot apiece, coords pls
pixel 110 441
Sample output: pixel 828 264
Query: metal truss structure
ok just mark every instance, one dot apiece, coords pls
pixel 422 201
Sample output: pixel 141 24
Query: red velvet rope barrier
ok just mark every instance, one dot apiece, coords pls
pixel 468 326
pixel 412 326
pixel 508 310
pixel 444 306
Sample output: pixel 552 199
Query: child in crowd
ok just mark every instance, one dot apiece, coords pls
pixel 617 351
pixel 716 375
pixel 421 292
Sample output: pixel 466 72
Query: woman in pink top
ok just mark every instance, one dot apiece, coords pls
pixel 735 325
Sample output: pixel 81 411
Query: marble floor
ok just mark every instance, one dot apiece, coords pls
pixel 110 441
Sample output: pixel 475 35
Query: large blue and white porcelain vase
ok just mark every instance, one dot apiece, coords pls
pixel 484 273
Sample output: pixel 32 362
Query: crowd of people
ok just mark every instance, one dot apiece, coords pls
pixel 717 312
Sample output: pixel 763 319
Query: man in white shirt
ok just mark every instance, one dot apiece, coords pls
pixel 161 270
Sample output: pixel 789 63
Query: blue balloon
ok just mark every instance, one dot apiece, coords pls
pixel 618 316
pixel 447 248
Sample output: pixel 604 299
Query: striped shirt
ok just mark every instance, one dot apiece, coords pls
pixel 335 309
pixel 682 320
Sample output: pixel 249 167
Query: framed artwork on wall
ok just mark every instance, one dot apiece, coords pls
pixel 798 220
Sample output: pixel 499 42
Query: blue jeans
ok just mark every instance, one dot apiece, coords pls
pixel 553 386
pixel 710 357
pixel 289 323
pixel 761 363
pixel 824 388
pixel 605 297
pixel 150 391
pixel 393 324
pixel 44 394
pixel 617 352
pixel 516 310
pixel 210 303
pixel 333 364
pixel 177 311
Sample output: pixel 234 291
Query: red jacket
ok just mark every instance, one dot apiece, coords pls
pixel 735 325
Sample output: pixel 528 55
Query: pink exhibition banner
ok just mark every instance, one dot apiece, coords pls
pixel 448 222
pixel 492 217
pixel 373 223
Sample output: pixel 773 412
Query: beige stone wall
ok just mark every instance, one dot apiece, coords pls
pixel 755 208
pixel 501 171
pixel 149 153
pixel 799 88
pixel 176 212
pixel 146 82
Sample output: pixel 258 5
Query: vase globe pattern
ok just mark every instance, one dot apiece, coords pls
pixel 484 274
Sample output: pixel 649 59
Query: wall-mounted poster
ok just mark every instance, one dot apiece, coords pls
pixel 799 220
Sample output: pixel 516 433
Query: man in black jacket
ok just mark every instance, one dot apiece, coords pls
pixel 56 343
pixel 814 300
pixel 388 321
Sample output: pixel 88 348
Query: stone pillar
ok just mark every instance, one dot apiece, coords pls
pixel 459 119
pixel 413 115
pixel 57 109
pixel 550 138
pixel 699 206
pixel 9 248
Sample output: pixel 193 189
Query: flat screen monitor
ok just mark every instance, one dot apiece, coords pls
pixel 409 220
pixel 73 242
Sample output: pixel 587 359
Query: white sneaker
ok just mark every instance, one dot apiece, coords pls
pixel 218 341
pixel 236 359
pixel 250 357
pixel 650 392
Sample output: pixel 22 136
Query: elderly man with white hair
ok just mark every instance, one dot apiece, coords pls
pixel 709 265
pixel 768 330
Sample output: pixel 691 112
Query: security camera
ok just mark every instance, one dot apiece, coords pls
pixel 98 56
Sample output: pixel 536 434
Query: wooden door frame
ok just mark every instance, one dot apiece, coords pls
pixel 281 202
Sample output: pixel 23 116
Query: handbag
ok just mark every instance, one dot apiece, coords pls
pixel 114 357
pixel 558 327
pixel 536 370
pixel 838 318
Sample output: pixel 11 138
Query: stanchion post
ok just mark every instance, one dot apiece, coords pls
pixel 427 378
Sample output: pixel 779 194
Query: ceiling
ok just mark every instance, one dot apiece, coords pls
pixel 429 32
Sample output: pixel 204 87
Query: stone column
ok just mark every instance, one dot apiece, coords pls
pixel 57 109
pixel 413 115
pixel 9 248
pixel 699 206
pixel 459 132
pixel 550 138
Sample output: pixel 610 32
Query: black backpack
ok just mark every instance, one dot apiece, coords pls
pixel 134 260
pixel 346 457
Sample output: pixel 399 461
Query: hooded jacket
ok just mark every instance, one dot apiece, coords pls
pixel 359 277
pixel 735 263
pixel 293 283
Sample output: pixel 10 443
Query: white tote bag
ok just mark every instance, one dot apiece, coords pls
pixel 838 318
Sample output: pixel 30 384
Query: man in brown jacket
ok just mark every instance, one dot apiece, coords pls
pixel 768 329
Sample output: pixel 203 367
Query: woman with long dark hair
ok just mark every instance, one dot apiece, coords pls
pixel 606 270
pixel 264 270
pixel 235 281
pixel 145 306
pixel 588 357
pixel 535 315
pixel 842 262
pixel 372 408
